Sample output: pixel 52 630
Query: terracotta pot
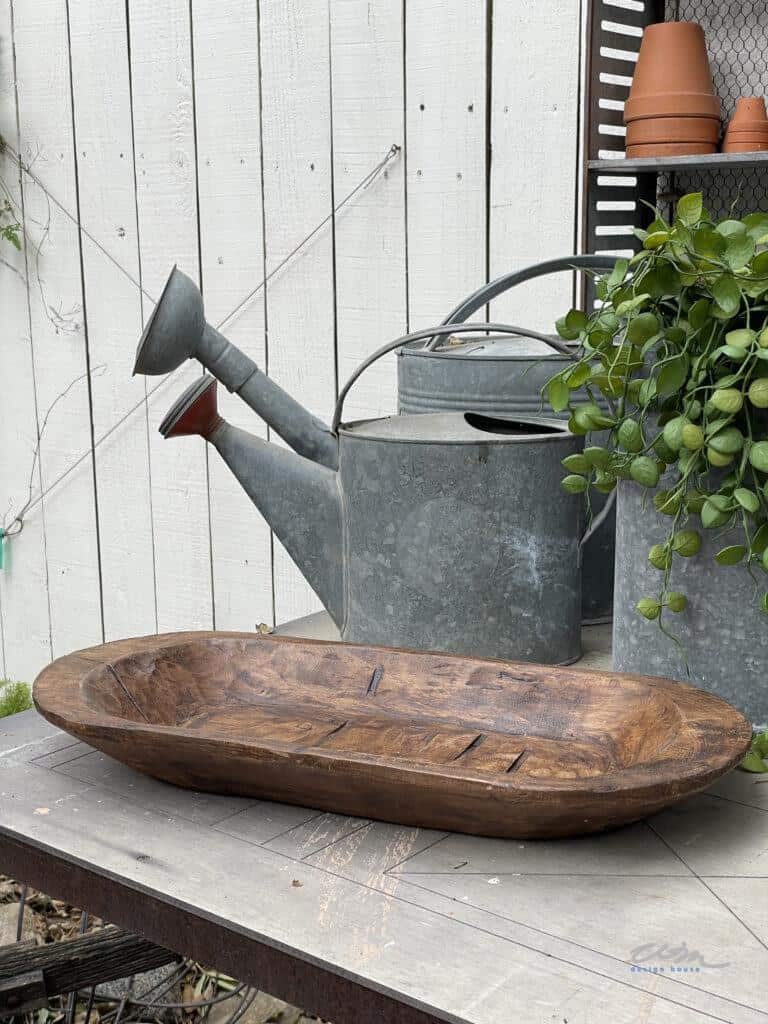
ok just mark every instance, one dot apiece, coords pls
pixel 745 147
pixel 672 129
pixel 755 129
pixel 750 113
pixel 745 137
pixel 672 75
pixel 671 149
pixel 747 126
pixel 755 136
pixel 673 104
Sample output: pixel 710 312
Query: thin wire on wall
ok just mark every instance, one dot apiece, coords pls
pixel 17 522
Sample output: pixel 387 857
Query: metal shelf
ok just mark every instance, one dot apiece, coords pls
pixel 620 193
pixel 660 164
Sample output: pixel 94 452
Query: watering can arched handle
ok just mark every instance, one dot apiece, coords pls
pixel 464 328
pixel 487 292
pixel 443 329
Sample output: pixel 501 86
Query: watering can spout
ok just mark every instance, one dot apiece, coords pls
pixel 177 330
pixel 299 498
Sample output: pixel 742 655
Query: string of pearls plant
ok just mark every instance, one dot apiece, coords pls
pixel 678 344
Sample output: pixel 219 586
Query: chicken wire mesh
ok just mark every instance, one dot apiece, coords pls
pixel 737 41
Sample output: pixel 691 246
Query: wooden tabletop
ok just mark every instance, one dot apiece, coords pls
pixel 360 921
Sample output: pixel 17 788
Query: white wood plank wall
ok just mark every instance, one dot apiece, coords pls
pixel 217 134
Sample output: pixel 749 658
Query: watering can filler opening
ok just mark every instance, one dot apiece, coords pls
pixel 440 531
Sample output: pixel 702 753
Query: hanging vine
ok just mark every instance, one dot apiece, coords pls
pixel 679 342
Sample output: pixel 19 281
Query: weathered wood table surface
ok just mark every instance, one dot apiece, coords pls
pixel 359 921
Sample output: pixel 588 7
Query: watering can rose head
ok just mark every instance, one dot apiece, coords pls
pixel 678 347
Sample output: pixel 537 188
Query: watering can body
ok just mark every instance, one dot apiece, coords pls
pixel 505 377
pixel 447 531
pixel 448 543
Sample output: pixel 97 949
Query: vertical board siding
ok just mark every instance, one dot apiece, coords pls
pixel 217 134
pixel 296 94
pixel 58 331
pixel 368 118
pixel 446 85
pixel 104 160
pixel 534 126
pixel 227 107
pixel 164 142
pixel 26 627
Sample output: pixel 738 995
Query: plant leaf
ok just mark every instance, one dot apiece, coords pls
pixel 629 304
pixel 576 463
pixel 739 251
pixel 760 539
pixel 760 265
pixel 656 239
pixel 576 320
pixel 753 763
pixel 699 314
pixel 731 555
pixel 565 332
pixel 619 272
pixel 709 243
pixel 690 208
pixel 756 225
pixel 642 327
pixel 731 228
pixel 579 375
pixel 672 376
pixel 712 516
pixel 558 394
pixel 726 294
pixel 747 499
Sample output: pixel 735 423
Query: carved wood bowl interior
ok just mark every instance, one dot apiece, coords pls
pixel 437 740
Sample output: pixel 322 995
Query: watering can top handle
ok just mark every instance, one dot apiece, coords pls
pixel 443 329
pixel 484 294
pixel 464 328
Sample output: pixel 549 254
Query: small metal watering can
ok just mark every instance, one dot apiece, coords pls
pixel 447 531
pixel 505 377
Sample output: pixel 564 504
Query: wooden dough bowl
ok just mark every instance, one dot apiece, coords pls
pixel 438 740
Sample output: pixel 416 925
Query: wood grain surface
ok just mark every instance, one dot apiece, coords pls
pixel 435 740
pixel 102 956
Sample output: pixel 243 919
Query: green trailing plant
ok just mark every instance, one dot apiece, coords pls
pixel 678 346
pixel 754 761
pixel 14 697
pixel 10 228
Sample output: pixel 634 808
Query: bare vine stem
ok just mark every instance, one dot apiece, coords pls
pixel 18 518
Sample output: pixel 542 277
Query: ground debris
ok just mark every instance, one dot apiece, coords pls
pixel 9 923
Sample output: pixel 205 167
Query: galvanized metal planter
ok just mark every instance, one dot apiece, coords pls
pixel 444 532
pixel 504 377
pixel 723 633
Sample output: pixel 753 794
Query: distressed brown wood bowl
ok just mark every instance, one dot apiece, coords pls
pixel 437 740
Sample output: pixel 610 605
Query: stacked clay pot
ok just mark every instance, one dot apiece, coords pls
pixel 748 128
pixel 672 109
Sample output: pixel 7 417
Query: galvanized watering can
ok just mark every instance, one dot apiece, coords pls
pixel 504 376
pixel 447 531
